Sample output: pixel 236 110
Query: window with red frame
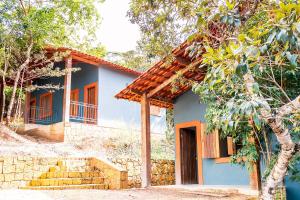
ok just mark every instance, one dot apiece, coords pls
pixel 46 105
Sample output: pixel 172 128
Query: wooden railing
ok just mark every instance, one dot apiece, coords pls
pixel 41 115
pixel 83 112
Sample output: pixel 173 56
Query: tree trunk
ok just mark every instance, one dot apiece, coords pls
pixel 17 78
pixel 282 134
pixel 4 86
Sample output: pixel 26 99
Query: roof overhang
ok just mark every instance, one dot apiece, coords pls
pixel 160 83
pixel 93 60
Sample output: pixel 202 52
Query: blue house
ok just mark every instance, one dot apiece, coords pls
pixel 85 104
pixel 202 159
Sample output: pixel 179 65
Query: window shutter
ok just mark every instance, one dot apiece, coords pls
pixel 210 143
pixel 230 146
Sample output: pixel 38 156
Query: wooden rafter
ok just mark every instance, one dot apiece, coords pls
pixel 171 79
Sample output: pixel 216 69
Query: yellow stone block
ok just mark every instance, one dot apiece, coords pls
pixel 52 169
pixel 50 175
pixel 76 181
pixel 60 182
pixel 45 182
pixel 60 163
pixel 34 183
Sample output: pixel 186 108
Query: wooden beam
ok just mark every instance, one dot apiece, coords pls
pixel 146 145
pixel 182 61
pixel 67 90
pixel 172 78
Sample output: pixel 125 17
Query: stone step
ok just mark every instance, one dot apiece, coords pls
pixel 66 169
pixel 66 187
pixel 66 181
pixel 62 174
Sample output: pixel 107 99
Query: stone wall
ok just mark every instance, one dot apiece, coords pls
pixel 19 171
pixel 162 171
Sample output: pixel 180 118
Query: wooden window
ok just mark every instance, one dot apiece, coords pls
pixel 45 105
pixel 154 110
pixel 91 101
pixel 214 146
pixel 74 103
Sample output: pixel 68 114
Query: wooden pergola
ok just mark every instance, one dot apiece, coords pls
pixel 156 87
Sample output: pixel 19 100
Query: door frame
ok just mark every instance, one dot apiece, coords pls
pixel 198 126
pixel 85 98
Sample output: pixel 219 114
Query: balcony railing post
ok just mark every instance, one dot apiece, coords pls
pixel 83 112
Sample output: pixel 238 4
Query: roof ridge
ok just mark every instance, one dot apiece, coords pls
pixel 95 59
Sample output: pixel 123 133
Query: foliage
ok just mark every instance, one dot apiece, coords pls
pixel 132 59
pixel 164 24
pixel 235 38
pixel 99 51
pixel 27 27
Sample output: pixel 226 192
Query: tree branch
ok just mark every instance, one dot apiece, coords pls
pixel 289 108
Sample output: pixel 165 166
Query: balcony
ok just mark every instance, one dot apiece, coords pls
pixel 79 112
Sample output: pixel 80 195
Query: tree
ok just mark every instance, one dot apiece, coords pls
pixel 27 27
pixel 250 50
pixel 99 51
pixel 131 59
pixel 164 24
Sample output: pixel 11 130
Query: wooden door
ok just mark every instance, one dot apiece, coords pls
pixel 90 100
pixel 188 151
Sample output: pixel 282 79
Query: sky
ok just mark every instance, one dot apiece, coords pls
pixel 116 32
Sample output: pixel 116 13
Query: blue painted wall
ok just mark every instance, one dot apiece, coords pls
pixel 86 75
pixel 117 112
pixel 111 111
pixel 292 189
pixel 187 108
pixel 57 96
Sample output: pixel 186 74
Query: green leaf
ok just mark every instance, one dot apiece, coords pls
pixel 271 37
pixel 241 69
pixel 292 58
pixel 257 121
pixel 263 49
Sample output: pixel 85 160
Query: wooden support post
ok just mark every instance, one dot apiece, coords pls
pixel 255 181
pixel 27 107
pixel 146 145
pixel 255 176
pixel 67 90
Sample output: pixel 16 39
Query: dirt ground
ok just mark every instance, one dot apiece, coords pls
pixel 130 194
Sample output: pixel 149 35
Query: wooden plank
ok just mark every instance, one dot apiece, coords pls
pixel 67 91
pixel 210 144
pixel 230 146
pixel 172 78
pixel 146 145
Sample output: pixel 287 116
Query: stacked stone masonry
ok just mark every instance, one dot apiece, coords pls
pixel 162 171
pixel 60 173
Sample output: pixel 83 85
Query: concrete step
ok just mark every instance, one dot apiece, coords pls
pixel 63 174
pixel 66 187
pixel 66 181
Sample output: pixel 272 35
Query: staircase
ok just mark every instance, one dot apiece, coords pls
pixel 69 174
